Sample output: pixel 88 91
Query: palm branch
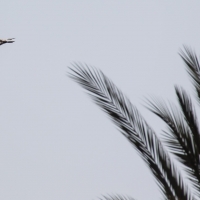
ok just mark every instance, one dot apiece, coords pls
pixel 116 197
pixel 182 137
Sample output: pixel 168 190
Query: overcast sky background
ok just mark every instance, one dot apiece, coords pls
pixel 55 143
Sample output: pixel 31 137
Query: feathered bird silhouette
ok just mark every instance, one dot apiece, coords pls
pixel 4 41
pixel 182 137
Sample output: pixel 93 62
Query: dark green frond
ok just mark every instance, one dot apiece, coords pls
pixel 193 67
pixel 116 197
pixel 134 128
pixel 192 122
pixel 190 116
pixel 178 139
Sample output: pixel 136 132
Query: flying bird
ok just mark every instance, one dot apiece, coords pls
pixel 9 40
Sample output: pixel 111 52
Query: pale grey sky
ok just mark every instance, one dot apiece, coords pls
pixel 55 144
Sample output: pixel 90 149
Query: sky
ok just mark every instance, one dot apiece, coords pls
pixel 55 143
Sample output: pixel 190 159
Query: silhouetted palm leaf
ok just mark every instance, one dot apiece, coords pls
pixel 134 128
pixel 116 197
pixel 179 138
pixel 193 67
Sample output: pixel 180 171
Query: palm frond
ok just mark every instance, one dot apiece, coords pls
pixel 192 122
pixel 190 117
pixel 178 139
pixel 132 125
pixel 193 67
pixel 116 197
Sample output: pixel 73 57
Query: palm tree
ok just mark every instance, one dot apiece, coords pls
pixel 182 137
